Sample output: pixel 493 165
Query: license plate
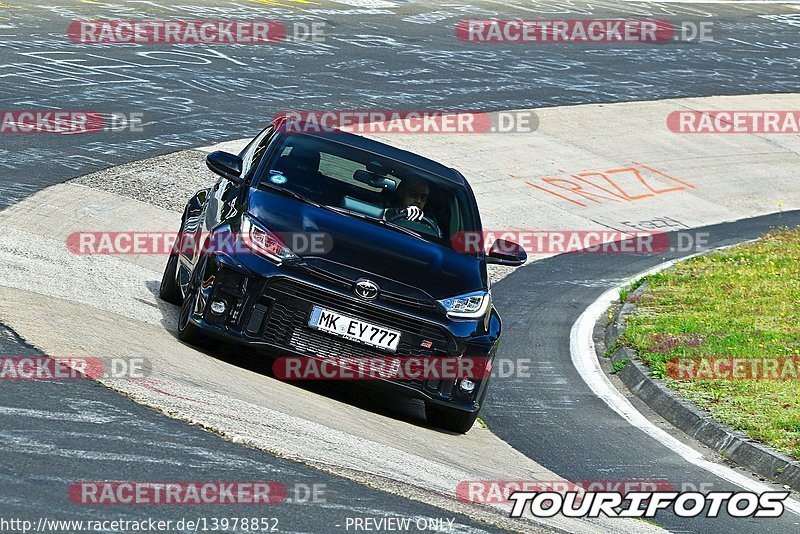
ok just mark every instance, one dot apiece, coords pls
pixel 354 329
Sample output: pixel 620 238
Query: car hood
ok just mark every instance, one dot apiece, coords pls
pixel 361 249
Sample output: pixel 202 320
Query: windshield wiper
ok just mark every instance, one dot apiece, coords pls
pixel 373 220
pixel 290 193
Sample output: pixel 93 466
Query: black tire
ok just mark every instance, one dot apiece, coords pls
pixel 449 419
pixel 187 330
pixel 169 290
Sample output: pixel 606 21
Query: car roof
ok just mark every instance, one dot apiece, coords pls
pixel 370 145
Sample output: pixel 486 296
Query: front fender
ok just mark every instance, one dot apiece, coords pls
pixel 193 213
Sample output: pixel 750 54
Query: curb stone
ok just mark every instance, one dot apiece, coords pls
pixel 685 415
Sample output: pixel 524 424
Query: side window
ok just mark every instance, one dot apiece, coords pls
pixel 456 220
pixel 252 155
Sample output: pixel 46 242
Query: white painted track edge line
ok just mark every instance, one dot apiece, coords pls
pixel 584 358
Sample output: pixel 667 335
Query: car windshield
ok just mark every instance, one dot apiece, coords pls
pixel 363 184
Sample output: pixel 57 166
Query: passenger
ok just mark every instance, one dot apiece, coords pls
pixel 302 165
pixel 301 169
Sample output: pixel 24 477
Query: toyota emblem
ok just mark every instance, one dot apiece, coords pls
pixel 366 289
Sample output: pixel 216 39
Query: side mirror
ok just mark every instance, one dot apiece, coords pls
pixel 504 252
pixel 226 165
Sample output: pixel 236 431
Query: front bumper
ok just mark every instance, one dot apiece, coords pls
pixel 269 308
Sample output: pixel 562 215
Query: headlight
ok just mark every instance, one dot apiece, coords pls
pixel 263 242
pixel 469 306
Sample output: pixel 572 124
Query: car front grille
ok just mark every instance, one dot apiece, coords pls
pixel 286 324
pixel 418 302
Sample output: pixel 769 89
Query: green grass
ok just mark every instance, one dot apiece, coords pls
pixel 612 349
pixel 617 367
pixel 624 293
pixel 740 302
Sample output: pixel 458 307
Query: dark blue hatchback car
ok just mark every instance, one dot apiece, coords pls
pixel 338 246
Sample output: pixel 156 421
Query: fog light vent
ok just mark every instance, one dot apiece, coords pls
pixel 467 386
pixel 218 307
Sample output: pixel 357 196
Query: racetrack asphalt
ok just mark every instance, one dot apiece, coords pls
pixel 58 433
pixel 393 56
pixel 596 444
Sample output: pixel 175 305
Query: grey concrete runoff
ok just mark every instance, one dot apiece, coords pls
pixel 686 416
